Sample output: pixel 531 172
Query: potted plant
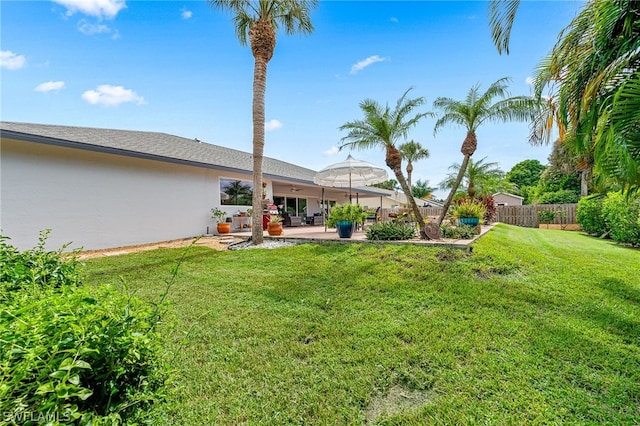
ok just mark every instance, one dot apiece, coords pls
pixel 219 216
pixel 469 212
pixel 274 228
pixel 344 217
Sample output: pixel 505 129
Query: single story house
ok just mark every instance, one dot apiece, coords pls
pixel 105 188
pixel 506 199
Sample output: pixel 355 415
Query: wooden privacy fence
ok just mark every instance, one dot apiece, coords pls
pixel 526 216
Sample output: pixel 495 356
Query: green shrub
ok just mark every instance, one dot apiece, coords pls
pixel 349 212
pixel 548 216
pixel 74 354
pixel 36 268
pixel 589 215
pixel 460 232
pixel 466 208
pixel 622 217
pixel 83 354
pixel 389 231
pixel 563 196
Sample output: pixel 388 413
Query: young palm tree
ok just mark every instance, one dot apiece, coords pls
pixel 422 189
pixel 383 127
pixel 412 151
pixel 257 22
pixel 480 178
pixel 479 108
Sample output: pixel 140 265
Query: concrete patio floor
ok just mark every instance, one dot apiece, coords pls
pixel 298 235
pixel 315 234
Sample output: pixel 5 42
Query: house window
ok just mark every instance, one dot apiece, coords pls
pixel 234 192
pixel 293 205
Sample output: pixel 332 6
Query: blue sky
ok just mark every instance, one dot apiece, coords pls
pixel 177 67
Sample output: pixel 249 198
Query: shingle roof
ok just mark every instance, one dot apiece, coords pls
pixel 158 146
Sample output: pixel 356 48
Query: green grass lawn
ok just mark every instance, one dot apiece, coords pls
pixel 532 327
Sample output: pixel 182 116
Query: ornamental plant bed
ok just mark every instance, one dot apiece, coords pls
pixel 563 226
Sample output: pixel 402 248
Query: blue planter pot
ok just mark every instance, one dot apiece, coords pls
pixel 345 228
pixel 473 221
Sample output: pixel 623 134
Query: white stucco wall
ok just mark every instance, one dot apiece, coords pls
pixel 97 200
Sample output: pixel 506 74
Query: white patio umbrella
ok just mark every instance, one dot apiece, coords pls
pixel 350 173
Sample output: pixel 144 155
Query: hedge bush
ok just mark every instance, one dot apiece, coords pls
pixel 563 196
pixel 460 232
pixel 589 215
pixel 622 216
pixel 71 354
pixel 389 231
pixel 35 268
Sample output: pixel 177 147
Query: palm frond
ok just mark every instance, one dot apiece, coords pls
pixel 501 16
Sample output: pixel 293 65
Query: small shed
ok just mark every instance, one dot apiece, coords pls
pixel 506 199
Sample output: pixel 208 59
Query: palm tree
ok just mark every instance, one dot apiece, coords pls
pixel 412 151
pixel 422 189
pixel 480 178
pixel 383 127
pixel 257 22
pixel 479 108
pixel 593 73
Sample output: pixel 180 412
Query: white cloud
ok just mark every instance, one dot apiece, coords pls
pixel 529 80
pixel 186 14
pixel 11 61
pixel 50 86
pixel 331 151
pixel 272 125
pixel 87 28
pixel 108 95
pixel 98 8
pixel 394 19
pixel 90 29
pixel 366 62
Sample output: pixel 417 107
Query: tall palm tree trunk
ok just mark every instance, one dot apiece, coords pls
pixel 259 89
pixel 263 42
pixel 394 161
pixel 454 188
pixel 468 148
pixel 409 171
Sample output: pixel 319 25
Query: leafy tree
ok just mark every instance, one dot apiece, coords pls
pixel 526 173
pixel 390 184
pixel 257 23
pixel 412 151
pixel 383 127
pixel 421 189
pixel 557 186
pixel 480 178
pixel 477 109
